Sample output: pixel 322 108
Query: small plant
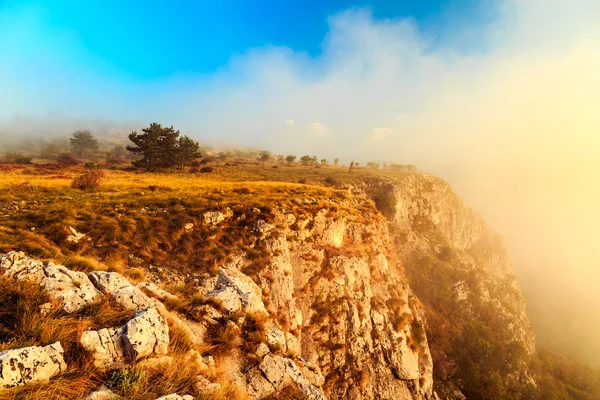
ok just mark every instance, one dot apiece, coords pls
pixel 206 170
pixel 89 180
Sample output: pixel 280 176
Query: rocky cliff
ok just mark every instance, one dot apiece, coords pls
pixel 461 271
pixel 374 292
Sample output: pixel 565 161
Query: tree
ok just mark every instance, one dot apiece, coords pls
pixel 373 165
pixel 186 150
pixel 324 161
pixel 305 160
pixel 157 146
pixel 82 142
pixel 264 156
pixel 351 165
pixel 290 159
pixel 336 161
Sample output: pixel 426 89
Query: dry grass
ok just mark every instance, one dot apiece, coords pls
pixel 22 325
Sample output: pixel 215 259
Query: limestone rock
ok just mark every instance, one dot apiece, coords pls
pixel 75 237
pixel 264 228
pixel 276 340
pixel 156 291
pixel 71 289
pixel 19 367
pixel 121 290
pixel 204 386
pixel 106 346
pixel 293 345
pixel 237 291
pixel 175 396
pixel 281 372
pixel 146 334
pixel 103 394
pixel 213 217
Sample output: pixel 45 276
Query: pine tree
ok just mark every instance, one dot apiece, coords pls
pixel 157 145
pixel 187 150
pixel 83 141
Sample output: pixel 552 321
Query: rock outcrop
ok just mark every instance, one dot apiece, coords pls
pixel 235 291
pixel 71 289
pixel 120 289
pixel 19 367
pixel 146 334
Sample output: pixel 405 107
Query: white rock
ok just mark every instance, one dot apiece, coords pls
pixel 121 290
pixel 175 396
pixel 75 237
pixel 237 291
pixel 146 334
pixel 213 217
pixel 262 350
pixel 276 339
pixel 294 347
pixel 71 289
pixel 31 364
pixel 264 228
pixel 103 394
pixel 204 386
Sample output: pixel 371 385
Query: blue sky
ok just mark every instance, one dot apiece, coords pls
pixel 146 40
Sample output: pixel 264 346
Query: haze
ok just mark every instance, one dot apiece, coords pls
pixel 502 103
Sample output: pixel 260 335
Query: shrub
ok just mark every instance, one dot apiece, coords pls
pixel 89 180
pixel 206 170
pixel 92 165
pixel 23 160
pixel 66 159
pixel 332 181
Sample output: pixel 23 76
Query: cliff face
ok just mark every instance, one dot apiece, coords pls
pixel 461 271
pixel 335 276
pixel 394 289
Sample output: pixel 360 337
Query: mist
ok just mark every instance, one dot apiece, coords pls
pixel 512 124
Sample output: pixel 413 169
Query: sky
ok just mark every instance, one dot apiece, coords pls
pixel 499 97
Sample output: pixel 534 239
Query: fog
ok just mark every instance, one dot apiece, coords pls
pixel 513 125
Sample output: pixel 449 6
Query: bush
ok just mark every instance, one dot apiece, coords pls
pixel 206 170
pixel 195 164
pixel 332 181
pixel 89 180
pixel 23 160
pixel 67 159
pixel 92 165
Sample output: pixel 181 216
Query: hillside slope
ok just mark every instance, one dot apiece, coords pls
pixel 375 286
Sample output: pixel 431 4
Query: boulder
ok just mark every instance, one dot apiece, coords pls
pixel 103 394
pixel 146 334
pixel 175 396
pixel 275 373
pixel 276 340
pixel 71 289
pixel 236 291
pixel 106 346
pixel 213 217
pixel 205 387
pixel 121 290
pixel 19 367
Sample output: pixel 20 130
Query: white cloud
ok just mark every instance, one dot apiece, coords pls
pixel 318 129
pixel 290 122
pixel 379 134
